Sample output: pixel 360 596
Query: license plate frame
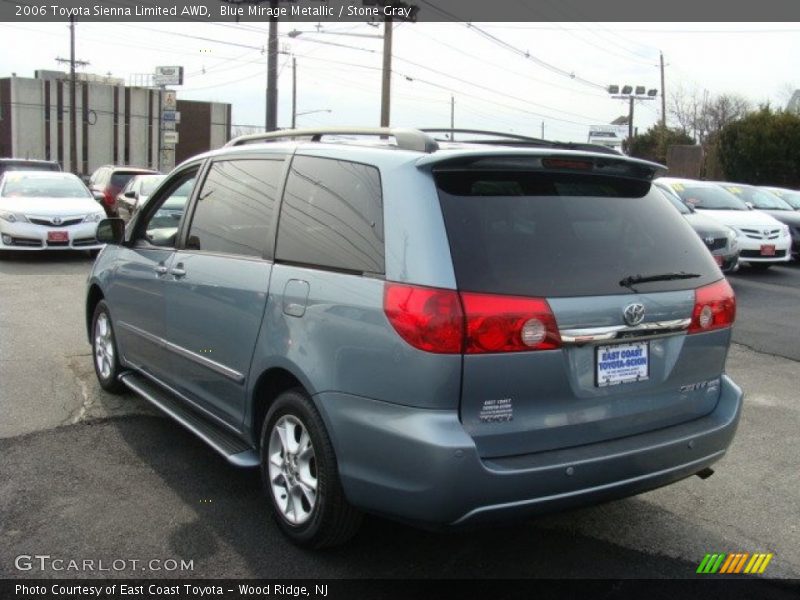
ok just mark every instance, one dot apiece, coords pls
pixel 57 236
pixel 629 373
pixel 767 249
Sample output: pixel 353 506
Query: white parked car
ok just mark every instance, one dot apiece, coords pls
pixel 763 240
pixel 42 210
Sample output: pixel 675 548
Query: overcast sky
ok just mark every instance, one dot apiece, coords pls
pixel 560 83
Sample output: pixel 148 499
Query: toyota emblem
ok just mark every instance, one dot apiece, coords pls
pixel 633 313
pixel 766 233
pixel 57 221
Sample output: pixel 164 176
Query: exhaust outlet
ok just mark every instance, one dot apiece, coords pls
pixel 705 473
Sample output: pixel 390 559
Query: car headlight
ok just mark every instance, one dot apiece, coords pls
pixel 785 230
pixel 94 217
pixel 13 217
pixel 733 237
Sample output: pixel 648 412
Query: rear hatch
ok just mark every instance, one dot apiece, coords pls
pixel 599 277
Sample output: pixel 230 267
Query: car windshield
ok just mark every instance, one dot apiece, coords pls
pixel 37 186
pixel 758 198
pixel 791 197
pixel 149 184
pixel 707 197
pixel 682 208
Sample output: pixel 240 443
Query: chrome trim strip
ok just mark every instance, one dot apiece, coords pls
pixel 221 369
pixel 600 334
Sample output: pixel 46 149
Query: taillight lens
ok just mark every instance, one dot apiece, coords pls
pixel 508 324
pixel 427 318
pixel 447 322
pixel 109 198
pixel 714 307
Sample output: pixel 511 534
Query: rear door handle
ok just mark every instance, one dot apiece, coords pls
pixel 161 270
pixel 178 270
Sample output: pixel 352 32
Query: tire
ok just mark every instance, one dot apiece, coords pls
pixel 305 492
pixel 93 253
pixel 105 357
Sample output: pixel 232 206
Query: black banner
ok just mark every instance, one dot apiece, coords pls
pixel 337 589
pixel 411 10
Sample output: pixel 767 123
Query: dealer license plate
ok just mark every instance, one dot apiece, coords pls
pixel 622 363
pixel 57 236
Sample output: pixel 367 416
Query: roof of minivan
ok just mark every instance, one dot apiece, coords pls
pixel 386 154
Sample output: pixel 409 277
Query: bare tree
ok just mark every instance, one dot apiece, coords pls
pixel 703 115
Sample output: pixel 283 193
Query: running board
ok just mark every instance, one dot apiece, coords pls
pixel 234 450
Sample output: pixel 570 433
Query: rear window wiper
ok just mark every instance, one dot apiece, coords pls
pixel 634 279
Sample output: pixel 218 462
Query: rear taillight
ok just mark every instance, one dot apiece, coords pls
pixel 714 307
pixel 108 198
pixel 508 324
pixel 447 322
pixel 427 318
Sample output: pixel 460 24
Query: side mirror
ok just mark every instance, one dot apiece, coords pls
pixel 111 231
pixel 130 194
pixel 99 196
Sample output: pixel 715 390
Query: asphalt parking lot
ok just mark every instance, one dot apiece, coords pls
pixel 87 475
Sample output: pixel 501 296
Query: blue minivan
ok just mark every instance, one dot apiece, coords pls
pixel 436 332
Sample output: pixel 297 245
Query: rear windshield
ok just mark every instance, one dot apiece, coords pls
pixel 708 197
pixel 544 234
pixel 120 179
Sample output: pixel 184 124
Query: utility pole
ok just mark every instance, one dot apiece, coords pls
pixel 294 91
pixel 452 118
pixel 272 70
pixel 386 86
pixel 73 125
pixel 630 119
pixel 663 95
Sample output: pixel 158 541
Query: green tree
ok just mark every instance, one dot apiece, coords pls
pixel 654 143
pixel 762 148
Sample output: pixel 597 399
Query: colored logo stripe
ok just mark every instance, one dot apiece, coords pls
pixel 734 563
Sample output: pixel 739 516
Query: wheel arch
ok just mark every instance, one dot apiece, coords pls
pixel 270 384
pixel 93 297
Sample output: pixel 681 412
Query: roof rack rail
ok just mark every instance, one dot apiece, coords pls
pixel 407 139
pixel 501 138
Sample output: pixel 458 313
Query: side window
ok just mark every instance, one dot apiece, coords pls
pixel 161 226
pixel 332 216
pixel 236 207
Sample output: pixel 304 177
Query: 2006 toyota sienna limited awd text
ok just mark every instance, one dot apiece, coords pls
pixel 440 333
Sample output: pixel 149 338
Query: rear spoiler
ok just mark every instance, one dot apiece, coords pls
pixel 564 161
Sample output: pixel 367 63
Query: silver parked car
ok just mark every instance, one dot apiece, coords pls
pixel 441 334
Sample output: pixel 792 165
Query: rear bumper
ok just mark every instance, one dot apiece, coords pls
pixel 421 466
